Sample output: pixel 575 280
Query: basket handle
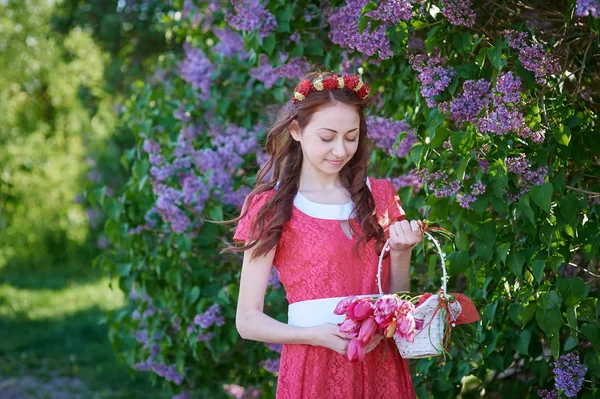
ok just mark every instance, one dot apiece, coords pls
pixel 386 247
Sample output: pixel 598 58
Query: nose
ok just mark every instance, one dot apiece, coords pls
pixel 339 150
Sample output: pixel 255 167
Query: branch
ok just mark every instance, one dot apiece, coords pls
pixel 591 193
pixel 583 66
pixel 583 269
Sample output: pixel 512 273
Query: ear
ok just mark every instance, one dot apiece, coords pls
pixel 294 129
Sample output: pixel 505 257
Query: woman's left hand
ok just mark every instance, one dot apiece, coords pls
pixel 405 235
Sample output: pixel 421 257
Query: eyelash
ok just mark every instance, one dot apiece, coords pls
pixel 327 141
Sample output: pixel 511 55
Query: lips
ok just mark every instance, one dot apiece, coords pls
pixel 335 162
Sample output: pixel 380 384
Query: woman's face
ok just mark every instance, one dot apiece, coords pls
pixel 331 137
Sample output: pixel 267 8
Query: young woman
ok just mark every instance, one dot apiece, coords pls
pixel 322 223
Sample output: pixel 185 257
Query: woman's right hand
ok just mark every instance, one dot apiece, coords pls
pixel 329 336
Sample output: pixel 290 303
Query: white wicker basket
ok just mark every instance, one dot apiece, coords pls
pixel 428 341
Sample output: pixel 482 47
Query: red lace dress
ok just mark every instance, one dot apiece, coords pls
pixel 315 259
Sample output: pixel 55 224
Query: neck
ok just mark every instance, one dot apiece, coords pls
pixel 313 179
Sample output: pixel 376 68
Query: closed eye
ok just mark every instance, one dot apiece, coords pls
pixel 350 140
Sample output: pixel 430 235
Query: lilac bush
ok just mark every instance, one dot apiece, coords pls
pixel 483 117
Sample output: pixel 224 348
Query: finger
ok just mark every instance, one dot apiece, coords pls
pixel 414 225
pixel 405 226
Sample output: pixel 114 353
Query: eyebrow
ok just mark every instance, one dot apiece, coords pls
pixel 335 131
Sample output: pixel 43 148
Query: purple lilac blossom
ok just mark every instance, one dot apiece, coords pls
pixel 230 44
pixel 433 77
pixel 250 15
pixel 344 31
pixel 587 7
pixel 502 120
pixel 518 164
pixel 151 147
pixel 271 365
pixel 447 144
pixel 295 68
pixel 547 394
pixel 210 317
pixel 264 72
pixel 274 347
pixel 406 144
pixel 383 132
pixel 509 86
pixel 393 11
pixel 141 336
pixel 464 200
pixel 569 374
pixel 478 188
pixel 533 56
pixel 459 12
pixel 196 69
pixel 407 180
pixel 274 279
pixel 475 97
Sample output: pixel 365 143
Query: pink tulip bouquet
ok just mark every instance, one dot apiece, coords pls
pixel 387 315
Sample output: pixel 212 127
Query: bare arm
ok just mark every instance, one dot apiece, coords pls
pixel 399 271
pixel 251 322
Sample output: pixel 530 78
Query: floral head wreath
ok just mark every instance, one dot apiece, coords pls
pixel 331 82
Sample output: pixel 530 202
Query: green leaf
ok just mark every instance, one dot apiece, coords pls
pixel 374 25
pixel 113 208
pixel 502 251
pixel 572 290
pixel 525 208
pixel 542 196
pixel 555 346
pixel 495 56
pixel 216 213
pixel 549 300
pixel 174 277
pixel 463 43
pixel 523 342
pixel 563 135
pixel 569 207
pixel 370 6
pixel 140 168
pixel 124 269
pixel 459 261
pixel 540 369
pixel 570 343
pixel 537 268
pixel 194 294
pixel 516 260
pixel 592 332
pixel 462 168
pixel 481 57
pixel 97 195
pixel 362 23
pixel 462 240
pixel 548 320
pixel 268 44
pixel 529 312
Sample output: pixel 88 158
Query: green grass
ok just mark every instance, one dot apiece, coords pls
pixel 53 326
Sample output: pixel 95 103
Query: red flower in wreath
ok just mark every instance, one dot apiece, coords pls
pixel 305 87
pixel 330 82
pixel 363 92
pixel 350 81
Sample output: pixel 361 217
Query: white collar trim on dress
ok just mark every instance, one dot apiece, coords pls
pixel 324 211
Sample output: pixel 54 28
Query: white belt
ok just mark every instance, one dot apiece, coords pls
pixel 317 311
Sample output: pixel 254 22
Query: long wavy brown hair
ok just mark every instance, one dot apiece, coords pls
pixel 285 161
